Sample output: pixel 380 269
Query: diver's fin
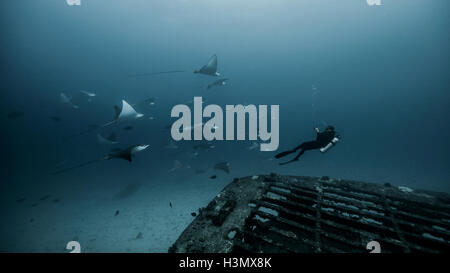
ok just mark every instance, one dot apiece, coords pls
pixel 282 154
pixel 287 162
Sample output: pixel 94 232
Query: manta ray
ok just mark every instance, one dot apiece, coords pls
pixel 210 68
pixel 125 154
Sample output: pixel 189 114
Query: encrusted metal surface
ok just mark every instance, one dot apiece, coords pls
pixel 273 214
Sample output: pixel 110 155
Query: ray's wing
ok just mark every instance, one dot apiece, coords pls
pixel 211 66
pixel 127 111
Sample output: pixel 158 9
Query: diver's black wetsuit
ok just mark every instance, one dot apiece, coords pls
pixel 322 139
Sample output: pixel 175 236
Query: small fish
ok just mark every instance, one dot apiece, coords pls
pixel 117 213
pixel 213 177
pixel 170 204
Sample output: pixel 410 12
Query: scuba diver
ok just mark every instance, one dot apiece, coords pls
pixel 324 141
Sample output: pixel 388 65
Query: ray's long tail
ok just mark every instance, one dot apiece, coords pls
pixel 157 73
pixel 78 166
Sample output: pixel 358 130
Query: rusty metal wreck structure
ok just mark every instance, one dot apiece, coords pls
pixel 281 214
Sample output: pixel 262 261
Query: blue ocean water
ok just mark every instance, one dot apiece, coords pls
pixel 379 74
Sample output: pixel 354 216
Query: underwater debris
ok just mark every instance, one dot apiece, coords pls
pixel 223 166
pixel 325 178
pixel 405 189
pixel 300 214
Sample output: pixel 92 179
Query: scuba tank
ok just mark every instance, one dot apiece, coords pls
pixel 329 145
